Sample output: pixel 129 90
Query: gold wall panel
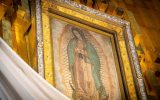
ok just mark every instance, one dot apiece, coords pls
pixel 6 30
pixel 31 40
pixel 3 9
pixel 19 29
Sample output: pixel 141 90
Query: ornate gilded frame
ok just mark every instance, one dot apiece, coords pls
pixel 130 71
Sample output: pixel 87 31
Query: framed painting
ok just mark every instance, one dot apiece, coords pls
pixel 87 54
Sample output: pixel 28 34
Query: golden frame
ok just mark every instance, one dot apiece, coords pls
pixel 83 16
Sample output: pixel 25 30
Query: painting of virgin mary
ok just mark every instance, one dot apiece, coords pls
pixel 85 68
pixel 84 63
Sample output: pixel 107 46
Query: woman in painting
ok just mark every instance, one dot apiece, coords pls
pixel 84 65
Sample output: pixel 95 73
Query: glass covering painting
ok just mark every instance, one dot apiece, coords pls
pixel 84 63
